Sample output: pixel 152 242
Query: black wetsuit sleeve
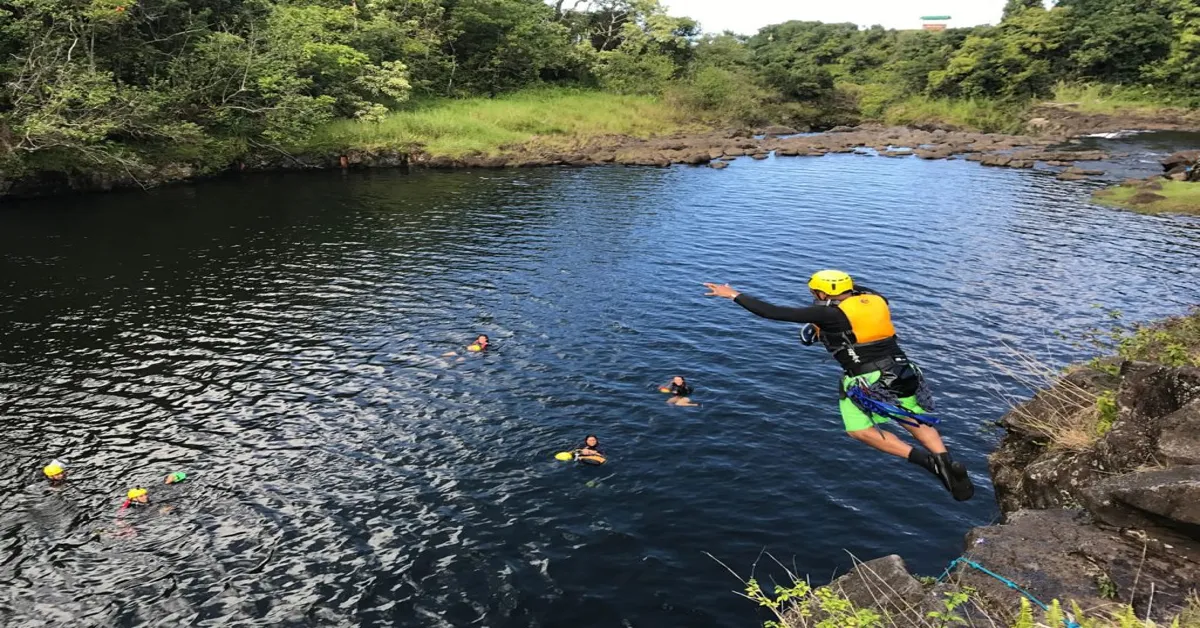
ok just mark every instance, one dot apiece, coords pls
pixel 819 315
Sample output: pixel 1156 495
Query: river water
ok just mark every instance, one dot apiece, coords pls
pixel 278 337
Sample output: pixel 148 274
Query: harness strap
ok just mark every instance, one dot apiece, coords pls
pixel 861 396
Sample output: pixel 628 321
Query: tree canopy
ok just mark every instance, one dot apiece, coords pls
pixel 109 82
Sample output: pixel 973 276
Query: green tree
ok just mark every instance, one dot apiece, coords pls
pixel 499 45
pixel 1181 67
pixel 1112 40
pixel 1013 7
pixel 653 48
pixel 1014 61
pixel 796 57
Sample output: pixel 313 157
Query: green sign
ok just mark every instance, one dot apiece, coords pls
pixel 930 18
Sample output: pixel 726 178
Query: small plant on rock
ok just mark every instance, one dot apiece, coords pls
pixel 802 606
pixel 1106 411
pixel 947 616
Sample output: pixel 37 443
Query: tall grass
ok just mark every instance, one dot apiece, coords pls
pixel 483 125
pixel 1114 99
pixel 1067 415
pixel 989 116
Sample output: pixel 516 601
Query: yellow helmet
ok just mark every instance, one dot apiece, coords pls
pixel 54 469
pixel 135 493
pixel 831 282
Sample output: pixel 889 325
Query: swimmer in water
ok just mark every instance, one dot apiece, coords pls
pixel 55 472
pixel 175 478
pixel 479 346
pixel 590 447
pixel 136 497
pixel 680 392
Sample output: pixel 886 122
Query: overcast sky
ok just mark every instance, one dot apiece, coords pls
pixel 747 16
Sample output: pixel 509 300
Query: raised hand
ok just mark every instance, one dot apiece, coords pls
pixel 721 290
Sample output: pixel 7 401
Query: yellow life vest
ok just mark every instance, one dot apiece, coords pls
pixel 870 318
pixel 474 348
pixel 870 324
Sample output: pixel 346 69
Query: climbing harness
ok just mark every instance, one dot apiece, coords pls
pixel 870 403
pixel 1008 583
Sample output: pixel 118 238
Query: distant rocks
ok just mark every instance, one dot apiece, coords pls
pixel 1067 120
pixel 1012 151
pixel 1182 166
pixel 778 130
pixel 1184 158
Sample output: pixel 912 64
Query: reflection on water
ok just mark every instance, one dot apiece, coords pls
pixel 278 338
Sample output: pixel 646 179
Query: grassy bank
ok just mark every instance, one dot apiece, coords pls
pixel 1118 99
pixel 553 117
pixel 1175 197
pixel 999 116
pixel 561 117
pixel 989 116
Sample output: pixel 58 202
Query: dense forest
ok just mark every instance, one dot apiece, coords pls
pixel 122 83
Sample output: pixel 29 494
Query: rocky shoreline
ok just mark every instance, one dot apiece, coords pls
pixel 713 150
pixel 716 149
pixel 1053 126
pixel 1115 523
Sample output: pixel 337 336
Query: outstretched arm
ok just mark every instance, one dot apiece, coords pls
pixel 819 315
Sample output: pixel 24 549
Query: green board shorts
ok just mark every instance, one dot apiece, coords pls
pixel 855 419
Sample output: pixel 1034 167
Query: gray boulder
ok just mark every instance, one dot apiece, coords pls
pixel 938 152
pixel 779 130
pixel 1182 158
pixel 1179 439
pixel 883 583
pixel 1166 497
pixel 1027 475
pixel 1061 554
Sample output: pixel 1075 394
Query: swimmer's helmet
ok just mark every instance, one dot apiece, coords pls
pixel 831 282
pixel 54 469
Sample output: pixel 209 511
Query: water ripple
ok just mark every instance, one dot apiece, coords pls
pixel 281 338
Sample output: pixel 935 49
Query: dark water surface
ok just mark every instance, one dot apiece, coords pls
pixel 277 338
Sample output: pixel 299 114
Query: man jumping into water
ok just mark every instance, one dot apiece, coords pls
pixel 855 325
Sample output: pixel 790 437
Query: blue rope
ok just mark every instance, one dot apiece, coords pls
pixel 863 399
pixel 1008 583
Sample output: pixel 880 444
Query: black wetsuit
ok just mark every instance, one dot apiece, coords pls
pixel 596 449
pixel 832 321
pixel 680 391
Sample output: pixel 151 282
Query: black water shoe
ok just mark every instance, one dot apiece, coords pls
pixel 922 458
pixel 953 475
